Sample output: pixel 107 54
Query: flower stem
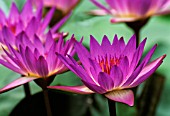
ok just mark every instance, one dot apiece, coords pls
pixel 112 107
pixel 47 103
pixel 27 90
pixel 137 33
pixel 136 26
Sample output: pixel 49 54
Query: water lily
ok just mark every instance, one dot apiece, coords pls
pixel 35 59
pixel 29 21
pixel 128 11
pixel 111 69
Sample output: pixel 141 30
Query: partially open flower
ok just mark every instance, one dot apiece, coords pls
pixel 29 21
pixel 35 59
pixel 129 11
pixel 111 69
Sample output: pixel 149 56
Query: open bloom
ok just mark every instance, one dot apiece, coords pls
pixel 35 60
pixel 128 11
pixel 63 5
pixel 111 69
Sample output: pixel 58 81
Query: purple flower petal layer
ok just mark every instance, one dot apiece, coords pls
pixel 105 81
pixel 116 75
pixel 74 89
pixel 147 71
pixel 42 67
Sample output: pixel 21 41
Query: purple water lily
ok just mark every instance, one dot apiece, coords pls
pixel 111 69
pixel 35 59
pixel 29 21
pixel 128 11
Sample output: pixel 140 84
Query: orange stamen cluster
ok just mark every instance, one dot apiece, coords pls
pixel 106 63
pixel 13 28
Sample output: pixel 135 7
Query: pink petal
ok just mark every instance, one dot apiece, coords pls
pixel 2 15
pixel 106 46
pixel 116 47
pixel 42 67
pixel 165 5
pixel 39 45
pixel 14 13
pixel 11 67
pixel 147 71
pixel 83 56
pixel 124 66
pixel 136 57
pixel 67 62
pixel 163 12
pixel 73 89
pixel 144 7
pixel 16 83
pixel 105 81
pixel 60 23
pixel 12 62
pixel 115 40
pixel 60 44
pixel 94 87
pixel 131 46
pixel 24 40
pixel 134 73
pixel 30 60
pixel 99 12
pixel 52 58
pixel 123 19
pixel 120 6
pixel 47 19
pixel 122 44
pixel 39 12
pixel 32 27
pixel 95 48
pixel 69 46
pixel 95 69
pixel 130 79
pixel 25 13
pixel 149 55
pixel 50 41
pixel 8 35
pixel 117 75
pixel 124 96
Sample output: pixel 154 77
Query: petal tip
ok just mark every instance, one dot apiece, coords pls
pixel 73 89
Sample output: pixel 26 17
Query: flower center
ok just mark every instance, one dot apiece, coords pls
pixel 13 29
pixel 106 63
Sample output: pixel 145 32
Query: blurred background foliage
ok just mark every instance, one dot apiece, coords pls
pixel 81 24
